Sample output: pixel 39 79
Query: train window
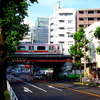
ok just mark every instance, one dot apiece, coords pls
pixel 21 48
pixel 52 47
pixel 41 48
pixel 31 47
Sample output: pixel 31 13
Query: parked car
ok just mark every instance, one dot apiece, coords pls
pixel 38 76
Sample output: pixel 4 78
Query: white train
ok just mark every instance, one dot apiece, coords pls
pixel 37 48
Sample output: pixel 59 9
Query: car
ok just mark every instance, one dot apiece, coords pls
pixel 38 76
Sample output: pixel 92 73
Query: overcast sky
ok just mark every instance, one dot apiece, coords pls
pixel 45 7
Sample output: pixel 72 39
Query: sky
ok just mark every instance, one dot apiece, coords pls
pixel 45 8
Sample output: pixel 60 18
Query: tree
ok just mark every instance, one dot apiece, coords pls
pixel 77 50
pixel 12 29
pixel 97 35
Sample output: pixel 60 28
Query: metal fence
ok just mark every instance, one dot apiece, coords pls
pixel 11 92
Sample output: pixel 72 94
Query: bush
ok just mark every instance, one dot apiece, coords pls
pixel 7 96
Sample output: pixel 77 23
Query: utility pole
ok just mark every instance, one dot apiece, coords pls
pixel 85 57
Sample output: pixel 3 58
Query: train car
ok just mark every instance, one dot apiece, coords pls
pixel 37 48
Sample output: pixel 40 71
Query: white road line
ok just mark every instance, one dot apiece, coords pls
pixel 50 86
pixel 27 90
pixel 35 86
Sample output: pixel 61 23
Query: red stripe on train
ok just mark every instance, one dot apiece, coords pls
pixel 41 51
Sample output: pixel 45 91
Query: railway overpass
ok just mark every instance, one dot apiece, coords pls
pixel 59 63
pixel 41 58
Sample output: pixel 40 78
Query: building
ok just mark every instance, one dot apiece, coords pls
pixel 41 30
pixel 62 27
pixel 95 58
pixel 85 17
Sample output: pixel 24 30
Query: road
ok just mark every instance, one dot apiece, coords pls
pixel 43 90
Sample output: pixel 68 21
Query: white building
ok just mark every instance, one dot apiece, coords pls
pixel 62 27
pixel 89 31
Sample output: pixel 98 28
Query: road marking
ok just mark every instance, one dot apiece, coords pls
pixel 74 89
pixel 35 86
pixel 50 86
pixel 27 90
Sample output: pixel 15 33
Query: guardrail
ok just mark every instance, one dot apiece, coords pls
pixel 12 93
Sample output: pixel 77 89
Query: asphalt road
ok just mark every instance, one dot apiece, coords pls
pixel 40 90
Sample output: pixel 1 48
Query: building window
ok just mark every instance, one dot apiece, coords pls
pixel 62 35
pixel 52 23
pixel 61 28
pixel 70 21
pixel 65 14
pixel 80 19
pixel 68 32
pixel 51 30
pixel 70 35
pixel 61 20
pixel 81 25
pixel 81 12
pixel 98 11
pixel 90 19
pixel 98 18
pixel 51 36
pixel 61 42
pixel 51 42
pixel 90 12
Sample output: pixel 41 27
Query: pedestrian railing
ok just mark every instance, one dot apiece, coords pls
pixel 11 92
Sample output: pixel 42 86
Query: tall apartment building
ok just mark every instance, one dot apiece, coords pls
pixel 41 30
pixel 85 17
pixel 62 27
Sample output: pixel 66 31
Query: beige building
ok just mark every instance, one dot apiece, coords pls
pixel 85 17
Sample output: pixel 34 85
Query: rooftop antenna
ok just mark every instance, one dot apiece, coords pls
pixel 58 4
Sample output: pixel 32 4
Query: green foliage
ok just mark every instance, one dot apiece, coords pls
pixel 12 14
pixel 79 35
pixel 7 95
pixel 78 48
pixel 73 49
pixel 78 63
pixel 98 49
pixel 97 33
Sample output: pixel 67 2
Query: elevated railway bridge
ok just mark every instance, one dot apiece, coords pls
pixel 55 61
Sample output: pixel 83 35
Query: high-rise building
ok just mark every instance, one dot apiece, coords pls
pixel 62 27
pixel 41 30
pixel 85 17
